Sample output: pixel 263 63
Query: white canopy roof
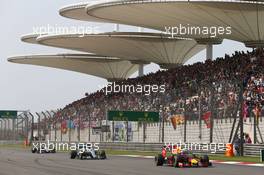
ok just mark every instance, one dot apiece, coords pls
pixel 136 46
pixel 77 11
pixel 244 17
pixel 100 66
pixel 30 38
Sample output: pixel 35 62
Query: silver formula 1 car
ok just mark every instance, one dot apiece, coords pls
pixel 85 153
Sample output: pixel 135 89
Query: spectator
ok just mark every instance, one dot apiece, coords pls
pixel 247 139
pixel 189 88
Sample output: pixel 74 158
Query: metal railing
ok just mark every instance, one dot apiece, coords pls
pixel 253 149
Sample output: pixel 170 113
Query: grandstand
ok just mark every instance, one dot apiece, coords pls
pixel 182 95
pixel 219 100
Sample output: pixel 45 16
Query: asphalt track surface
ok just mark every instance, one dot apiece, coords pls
pixel 21 162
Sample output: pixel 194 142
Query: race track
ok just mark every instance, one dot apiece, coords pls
pixel 21 162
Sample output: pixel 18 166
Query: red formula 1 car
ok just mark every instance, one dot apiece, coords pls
pixel 182 159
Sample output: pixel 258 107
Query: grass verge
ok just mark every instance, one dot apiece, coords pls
pixel 13 146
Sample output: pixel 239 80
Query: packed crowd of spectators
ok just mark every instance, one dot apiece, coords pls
pixel 217 85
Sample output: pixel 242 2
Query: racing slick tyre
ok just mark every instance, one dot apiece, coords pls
pixel 180 159
pixel 205 161
pixel 73 154
pixel 176 163
pixel 210 164
pixel 89 154
pixel 171 160
pixel 159 160
pixel 34 150
pixel 102 154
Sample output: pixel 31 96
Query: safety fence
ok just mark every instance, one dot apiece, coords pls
pixel 15 128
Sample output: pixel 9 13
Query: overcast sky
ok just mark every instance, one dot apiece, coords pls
pixel 24 87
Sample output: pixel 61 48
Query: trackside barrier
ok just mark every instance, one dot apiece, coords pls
pixel 156 147
pixel 253 149
pixel 132 146
pixel 10 142
pixel 150 147
pixel 249 149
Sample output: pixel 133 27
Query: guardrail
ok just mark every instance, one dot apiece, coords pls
pixel 10 142
pixel 131 146
pixel 249 149
pixel 155 147
pixel 253 149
